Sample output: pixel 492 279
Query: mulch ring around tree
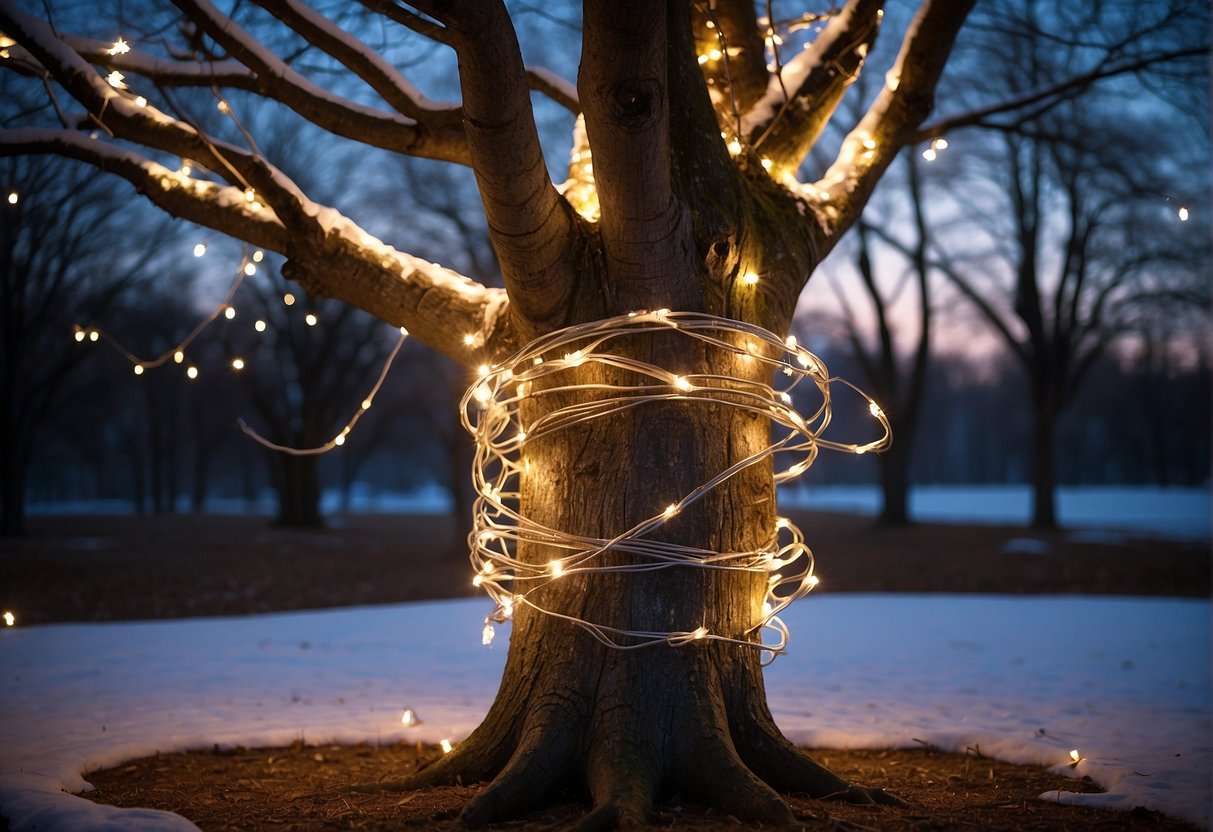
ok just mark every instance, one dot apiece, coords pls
pixel 305 787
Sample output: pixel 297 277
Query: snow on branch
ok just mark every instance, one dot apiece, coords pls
pixel 892 119
pixel 559 89
pixel 802 97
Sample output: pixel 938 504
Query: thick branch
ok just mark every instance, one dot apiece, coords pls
pixel 625 96
pixel 531 226
pixel 738 77
pixel 890 122
pixel 798 105
pixel 336 259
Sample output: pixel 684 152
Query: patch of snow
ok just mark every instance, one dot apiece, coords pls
pixel 1027 546
pixel 1177 512
pixel 1123 681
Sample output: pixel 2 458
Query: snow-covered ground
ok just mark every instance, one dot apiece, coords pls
pixel 1125 682
pixel 1179 512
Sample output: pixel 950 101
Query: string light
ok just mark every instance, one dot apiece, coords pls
pixel 138 369
pixel 1182 213
pixel 120 47
pixel 258 256
pixel 749 278
pixel 288 299
pixel 492 412
pixel 259 326
pixel 338 440
pixel 199 249
pixel 250 269
pixel 192 372
pixel 237 364
pixel 115 80
pixel 13 197
pixel 446 746
pixel 409 718
pixel 177 352
pixel 937 144
pixel 9 618
pixel 310 319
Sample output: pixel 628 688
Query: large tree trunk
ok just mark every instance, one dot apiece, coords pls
pixel 628 725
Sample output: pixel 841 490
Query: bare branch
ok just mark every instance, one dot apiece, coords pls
pixel 800 102
pixel 902 104
pixel 1052 94
pixel 378 74
pixel 410 20
pixel 548 83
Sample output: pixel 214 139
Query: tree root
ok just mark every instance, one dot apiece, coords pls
pixel 538 768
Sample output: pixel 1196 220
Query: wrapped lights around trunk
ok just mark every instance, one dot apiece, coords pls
pixel 749 357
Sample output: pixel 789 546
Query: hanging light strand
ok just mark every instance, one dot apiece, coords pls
pixel 142 364
pixel 339 439
pixel 491 411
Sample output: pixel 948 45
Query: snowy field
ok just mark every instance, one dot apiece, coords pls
pixel 1125 682
pixel 1177 512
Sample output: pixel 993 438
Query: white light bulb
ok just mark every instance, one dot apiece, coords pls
pixel 749 278
pixel 259 326
pixel 178 357
pixel 13 197
pixel 230 312
pixel 199 249
pixel 250 269
pixel 339 440
pixel 80 335
pixel 120 47
pixel 9 619
pixel 288 299
pixel 93 335
pixel 192 373
pixel 487 634
pixel 138 369
pixel 408 717
pixel 556 568
pixel 237 364
pixel 1182 212
pixel 115 80
pixel 310 319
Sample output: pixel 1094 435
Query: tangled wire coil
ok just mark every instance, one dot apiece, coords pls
pixel 492 413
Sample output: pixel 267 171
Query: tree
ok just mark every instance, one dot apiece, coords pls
pixel 1079 238
pixel 664 216
pixel 58 269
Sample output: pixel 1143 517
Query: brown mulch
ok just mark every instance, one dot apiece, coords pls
pixel 309 788
pixel 82 568
pixel 121 568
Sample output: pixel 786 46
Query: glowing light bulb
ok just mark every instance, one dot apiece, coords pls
pixel 782 522
pixel 404 332
pixel 941 143
pixel 469 340
pixel 250 269
pixel 178 357
pixel 288 299
pixel 670 511
pixel 249 195
pixel 259 326
pixel 230 312
pixel 222 106
pixel 237 364
pixel 767 164
pixel 487 634
pixel 339 440
pixel 9 619
pixel 767 609
pixel 366 404
pixel 477 580
pixel 140 101
pixel 115 80
pixel 310 319
pixel 482 394
pixel 446 746
pixel 699 632
pixel 186 168
pixel 812 581
pixel 199 249
pixel 682 384
pixel 138 369
pixel 556 568
pixel 714 55
pixel 1075 756
pixel 874 409
pixel 192 373
pixel 734 147
pixel 79 334
pixel 409 717
pixel 483 369
pixel 120 47
pixel 13 197
pixel 929 154
pixel 1182 212
pixel 703 59
pixel 749 278
pixel 93 335
pixel 258 256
